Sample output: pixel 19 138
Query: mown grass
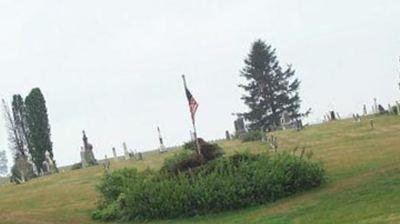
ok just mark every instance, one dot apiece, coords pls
pixel 363 167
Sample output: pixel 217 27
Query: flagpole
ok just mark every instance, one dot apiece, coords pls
pixel 194 125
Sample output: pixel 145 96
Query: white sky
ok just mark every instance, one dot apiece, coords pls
pixel 114 68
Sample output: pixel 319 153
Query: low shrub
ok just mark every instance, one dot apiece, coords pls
pixel 223 184
pixel 189 159
pixel 191 146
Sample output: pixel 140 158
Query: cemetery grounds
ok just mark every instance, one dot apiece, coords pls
pixel 363 167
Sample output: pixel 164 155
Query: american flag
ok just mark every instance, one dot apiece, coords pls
pixel 193 105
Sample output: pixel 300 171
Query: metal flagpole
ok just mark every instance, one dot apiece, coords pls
pixel 193 123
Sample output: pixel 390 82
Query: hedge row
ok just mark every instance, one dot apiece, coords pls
pixel 223 184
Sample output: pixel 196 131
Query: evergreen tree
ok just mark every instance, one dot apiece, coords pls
pixel 270 89
pixel 39 129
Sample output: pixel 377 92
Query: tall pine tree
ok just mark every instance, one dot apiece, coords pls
pixel 39 128
pixel 270 89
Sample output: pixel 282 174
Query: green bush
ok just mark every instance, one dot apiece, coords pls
pixel 223 184
pixel 189 159
pixel 191 146
pixel 251 136
pixel 173 164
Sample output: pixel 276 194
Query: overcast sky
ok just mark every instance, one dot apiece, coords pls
pixel 114 68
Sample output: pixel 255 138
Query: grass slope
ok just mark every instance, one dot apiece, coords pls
pixel 364 182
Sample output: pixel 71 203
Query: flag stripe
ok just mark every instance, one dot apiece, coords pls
pixel 193 105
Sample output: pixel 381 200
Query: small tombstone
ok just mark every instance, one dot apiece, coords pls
pixel 115 154
pixel 87 156
pixel 371 122
pixel 131 154
pixel 299 125
pixel 337 116
pixel 365 113
pixel 45 167
pixel 162 148
pixel 376 109
pixel 227 135
pixel 358 118
pixel 106 164
pixel 126 152
pixel 398 107
pixel 332 115
pixel 83 158
pixel 381 110
pixel 140 156
pixel 286 121
pixel 240 128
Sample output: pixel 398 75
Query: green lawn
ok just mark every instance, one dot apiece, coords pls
pixel 363 167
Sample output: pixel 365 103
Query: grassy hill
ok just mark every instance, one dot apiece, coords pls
pixel 363 166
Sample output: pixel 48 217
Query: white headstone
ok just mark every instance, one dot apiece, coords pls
pixel 115 154
pixel 126 152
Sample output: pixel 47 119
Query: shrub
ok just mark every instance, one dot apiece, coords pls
pixel 191 146
pixel 251 136
pixel 189 159
pixel 176 163
pixel 223 184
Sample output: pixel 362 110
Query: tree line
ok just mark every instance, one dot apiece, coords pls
pixel 29 136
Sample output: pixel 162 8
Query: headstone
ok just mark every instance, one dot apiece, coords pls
pixel 227 135
pixel 126 153
pixel 390 110
pixel 365 113
pixel 262 133
pixel 161 141
pixel 115 154
pixel 140 156
pixel 45 167
pixel 131 154
pixel 50 162
pixel 106 163
pixel 332 115
pixel 286 121
pixel 371 122
pixel 381 110
pixel 299 125
pixel 358 118
pixel 83 158
pixel 87 156
pixel 398 107
pixel 240 126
